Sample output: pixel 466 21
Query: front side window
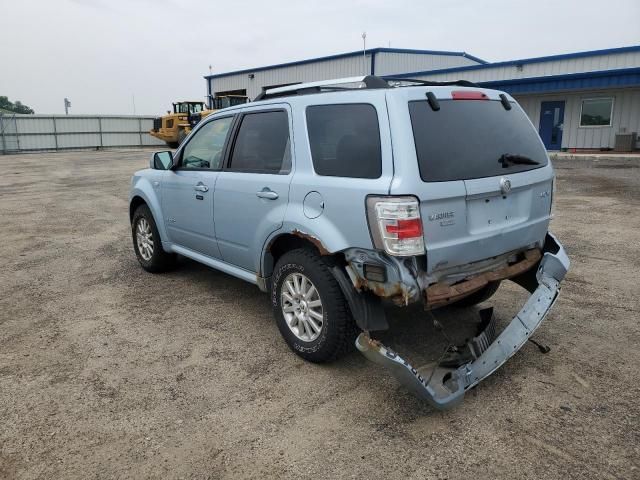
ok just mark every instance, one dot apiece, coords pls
pixel 345 140
pixel 206 148
pixel 262 144
pixel 596 112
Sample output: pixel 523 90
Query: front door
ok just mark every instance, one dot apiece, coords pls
pixel 187 191
pixel 252 192
pixel 551 124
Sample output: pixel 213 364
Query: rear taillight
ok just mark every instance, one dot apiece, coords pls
pixel 396 225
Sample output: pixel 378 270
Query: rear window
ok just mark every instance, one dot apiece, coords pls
pixel 345 140
pixel 473 139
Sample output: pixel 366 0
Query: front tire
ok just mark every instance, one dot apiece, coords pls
pixel 147 243
pixel 310 309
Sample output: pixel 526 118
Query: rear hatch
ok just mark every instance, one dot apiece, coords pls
pixel 486 181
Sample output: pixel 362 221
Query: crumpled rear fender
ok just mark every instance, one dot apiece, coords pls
pixel 445 387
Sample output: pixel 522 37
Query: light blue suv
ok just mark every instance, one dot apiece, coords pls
pixel 339 197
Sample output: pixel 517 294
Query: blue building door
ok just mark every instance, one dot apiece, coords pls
pixel 551 124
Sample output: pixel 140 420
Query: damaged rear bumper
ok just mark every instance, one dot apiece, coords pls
pixel 445 387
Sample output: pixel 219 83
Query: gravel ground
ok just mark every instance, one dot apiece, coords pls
pixel 110 372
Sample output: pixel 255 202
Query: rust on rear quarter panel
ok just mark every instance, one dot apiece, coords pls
pixel 316 241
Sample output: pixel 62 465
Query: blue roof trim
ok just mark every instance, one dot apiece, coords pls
pixel 623 77
pixel 524 61
pixel 369 51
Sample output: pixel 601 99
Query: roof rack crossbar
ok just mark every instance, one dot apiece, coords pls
pixel 428 83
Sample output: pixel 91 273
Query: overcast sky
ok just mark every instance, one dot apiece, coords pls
pixel 102 53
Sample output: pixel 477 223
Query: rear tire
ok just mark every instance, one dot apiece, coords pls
pixel 147 243
pixel 314 319
pixel 485 293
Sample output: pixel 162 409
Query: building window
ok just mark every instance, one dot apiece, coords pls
pixel 596 112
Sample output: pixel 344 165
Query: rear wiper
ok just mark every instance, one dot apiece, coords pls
pixel 514 159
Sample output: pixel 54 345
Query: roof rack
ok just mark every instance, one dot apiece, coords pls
pixel 428 83
pixel 369 81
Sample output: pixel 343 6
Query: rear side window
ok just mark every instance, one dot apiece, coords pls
pixel 473 139
pixel 262 144
pixel 345 140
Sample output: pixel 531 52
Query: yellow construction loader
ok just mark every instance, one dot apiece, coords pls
pixel 174 127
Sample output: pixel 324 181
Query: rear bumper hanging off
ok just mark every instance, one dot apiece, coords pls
pixel 445 387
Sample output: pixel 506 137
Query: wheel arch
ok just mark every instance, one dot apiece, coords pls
pixel 135 202
pixel 284 242
pixel 140 197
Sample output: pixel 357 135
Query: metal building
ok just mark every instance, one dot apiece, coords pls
pixel 376 61
pixel 584 100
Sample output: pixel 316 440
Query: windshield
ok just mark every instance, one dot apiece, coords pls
pixel 473 139
pixel 188 107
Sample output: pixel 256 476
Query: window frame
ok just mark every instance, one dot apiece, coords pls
pixel 582 100
pixel 377 117
pixel 236 131
pixel 225 147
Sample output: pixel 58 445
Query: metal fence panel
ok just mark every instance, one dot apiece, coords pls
pixel 77 125
pixel 121 139
pixel 20 133
pixel 37 142
pixel 34 125
pixel 79 140
pixel 121 125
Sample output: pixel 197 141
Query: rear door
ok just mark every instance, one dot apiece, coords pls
pixel 252 192
pixel 483 177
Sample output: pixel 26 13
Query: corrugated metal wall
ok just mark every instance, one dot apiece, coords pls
pixel 50 132
pixel 308 72
pixel 385 63
pixel 626 116
pixel 541 69
pixel 389 63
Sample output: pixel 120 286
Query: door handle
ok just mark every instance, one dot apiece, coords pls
pixel 267 193
pixel 201 188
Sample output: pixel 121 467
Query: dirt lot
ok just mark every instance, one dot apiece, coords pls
pixel 110 372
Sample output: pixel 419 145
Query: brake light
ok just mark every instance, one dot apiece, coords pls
pixel 406 228
pixel 396 225
pixel 468 95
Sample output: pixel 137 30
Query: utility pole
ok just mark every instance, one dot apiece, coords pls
pixel 209 93
pixel 133 100
pixel 364 52
pixel 67 105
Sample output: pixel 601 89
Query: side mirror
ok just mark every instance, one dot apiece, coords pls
pixel 162 160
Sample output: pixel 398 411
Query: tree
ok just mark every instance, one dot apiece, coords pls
pixel 18 107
